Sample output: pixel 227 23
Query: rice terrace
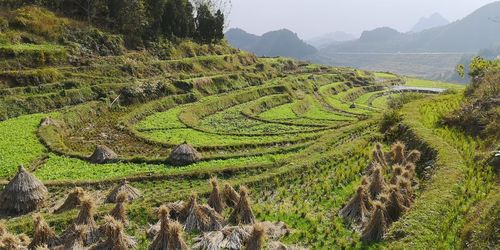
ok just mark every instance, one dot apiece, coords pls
pixel 117 133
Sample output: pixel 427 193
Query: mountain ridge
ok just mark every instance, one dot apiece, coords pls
pixel 281 42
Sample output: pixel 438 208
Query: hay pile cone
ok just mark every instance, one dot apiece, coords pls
pixel 43 234
pixel 375 228
pixel 356 209
pixel 73 201
pixel 176 237
pixel 102 154
pixel 397 171
pixel 231 197
pixel 161 240
pixel 378 155
pixel 184 154
pixel 377 184
pixel 85 220
pixel 23 194
pixel 124 187
pixel 257 238
pixel 115 237
pixel 394 206
pixel 215 198
pixel 242 213
pixel 75 239
pixel 397 153
pixel 200 218
pixel 119 212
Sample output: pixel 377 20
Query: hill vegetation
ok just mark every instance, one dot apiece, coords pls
pixel 188 143
pixel 275 43
pixel 430 53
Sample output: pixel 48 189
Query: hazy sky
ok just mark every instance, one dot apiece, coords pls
pixel 310 18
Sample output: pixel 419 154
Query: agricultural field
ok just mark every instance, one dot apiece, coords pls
pixel 299 136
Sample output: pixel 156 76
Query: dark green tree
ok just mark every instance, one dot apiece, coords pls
pixel 155 10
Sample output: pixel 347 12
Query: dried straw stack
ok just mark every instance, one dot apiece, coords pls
pixel 131 192
pixel 119 212
pixel 242 213
pixel 43 234
pixel 215 198
pixel 102 154
pixel 23 194
pixel 356 209
pixel 73 200
pixel 85 221
pixel 184 154
pixel 257 238
pixel 161 240
pixel 231 197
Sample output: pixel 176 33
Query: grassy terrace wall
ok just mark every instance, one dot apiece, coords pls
pixel 457 182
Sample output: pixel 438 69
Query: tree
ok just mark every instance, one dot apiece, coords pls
pixel 178 20
pixel 129 18
pixel 155 10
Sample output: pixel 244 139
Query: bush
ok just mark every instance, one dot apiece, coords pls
pixel 31 78
pixel 95 42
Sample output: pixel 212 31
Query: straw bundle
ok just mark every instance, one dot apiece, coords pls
pixel 160 242
pixel 355 210
pixel 394 206
pixel 377 183
pixel 119 212
pixel 231 197
pixel 43 234
pixel 242 213
pixel 176 237
pixel 375 228
pixel 215 198
pixel 257 238
pixel 116 239
pixel 73 200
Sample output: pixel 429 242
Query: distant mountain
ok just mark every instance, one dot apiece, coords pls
pixel 433 21
pixel 432 53
pixel 275 43
pixel 326 39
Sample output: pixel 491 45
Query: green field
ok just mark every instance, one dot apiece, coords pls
pixel 300 136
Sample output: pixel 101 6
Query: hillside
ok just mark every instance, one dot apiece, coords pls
pixel 468 35
pixel 330 38
pixel 275 43
pixel 433 21
pixel 200 145
pixel 431 54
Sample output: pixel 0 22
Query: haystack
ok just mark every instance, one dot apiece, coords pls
pixel 200 218
pixel 378 155
pixel 161 240
pixel 231 197
pixel 397 171
pixel 235 237
pixel 242 213
pixel 413 156
pixel 184 154
pixel 11 242
pixel 119 212
pixel 102 154
pixel 215 198
pixel 365 181
pixel 394 206
pixel 175 212
pixel 85 218
pixel 356 210
pixel 116 239
pixel 24 239
pixel 131 192
pixel 176 237
pixel 406 191
pixel 257 238
pixel 43 234
pixel 411 168
pixel 24 194
pixel 73 201
pixel 377 184
pixel 375 228
pixel 75 239
pixel 398 153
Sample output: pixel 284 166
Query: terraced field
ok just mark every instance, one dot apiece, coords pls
pixel 298 135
